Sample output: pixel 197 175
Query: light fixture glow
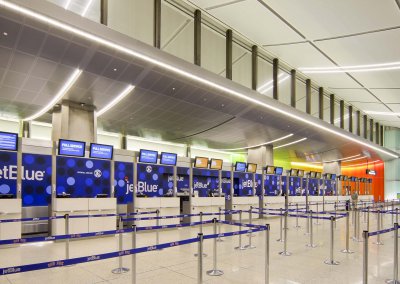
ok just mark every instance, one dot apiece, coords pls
pixel 352 66
pixel 87 8
pixel 382 113
pixel 291 143
pixel 259 145
pixel 215 150
pixel 337 160
pixel 355 68
pixel 67 4
pixel 44 124
pixel 115 101
pixel 363 164
pixel 271 87
pixel 308 165
pixel 337 120
pixel 268 84
pixel 64 89
pixel 186 74
pixel 355 159
pixel 110 134
pixel 155 141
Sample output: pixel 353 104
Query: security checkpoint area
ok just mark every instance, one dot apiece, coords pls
pixel 171 141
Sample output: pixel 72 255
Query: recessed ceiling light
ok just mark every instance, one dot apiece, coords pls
pixel 173 89
pixel 5 33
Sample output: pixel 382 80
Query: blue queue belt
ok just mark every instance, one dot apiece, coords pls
pixel 338 215
pixel 96 257
pixel 370 234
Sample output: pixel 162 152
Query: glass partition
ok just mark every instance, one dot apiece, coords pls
pixel 241 61
pixel 86 8
pixel 213 50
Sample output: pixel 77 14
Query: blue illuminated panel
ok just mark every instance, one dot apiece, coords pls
pixel 71 148
pixel 240 167
pixel 148 156
pixel 8 141
pixel 100 151
pixel 168 159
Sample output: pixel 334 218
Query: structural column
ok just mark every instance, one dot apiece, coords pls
pixel 308 96
pixel 293 88
pixel 197 37
pixel 26 129
pixel 351 119
pixel 157 24
pixel 365 125
pixel 321 103
pixel 254 67
pixel 371 130
pixel 358 119
pixel 341 112
pixel 377 132
pixel 104 12
pixel 229 41
pixel 123 141
pixel 332 108
pixel 381 136
pixel 261 156
pixel 275 70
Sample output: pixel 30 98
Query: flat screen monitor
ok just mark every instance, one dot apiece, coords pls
pixel 300 173
pixel 8 141
pixel 333 176
pixel 148 156
pixel 343 178
pixel 201 163
pixel 100 151
pixel 168 159
pixel 270 170
pixel 240 167
pixel 312 174
pixel 278 171
pixel 251 168
pixel 371 172
pixel 327 176
pixel 353 179
pixel 318 175
pixel 71 148
pixel 293 172
pixel 216 164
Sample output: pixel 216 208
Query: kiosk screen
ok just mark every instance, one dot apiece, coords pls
pixel 293 172
pixel 270 170
pixel 300 173
pixel 251 168
pixel 71 148
pixel 216 164
pixel 240 167
pixel 168 159
pixel 8 141
pixel 318 175
pixel 278 171
pixel 201 162
pixel 100 151
pixel 148 156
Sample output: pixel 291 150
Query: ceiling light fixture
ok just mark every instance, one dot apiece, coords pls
pixel 258 145
pixel 115 101
pixel 308 165
pixel 337 120
pixel 64 89
pixel 337 160
pixel 67 4
pixel 186 74
pixel 155 141
pixel 355 159
pixel 5 33
pixel 352 66
pixel 382 113
pixel 87 8
pixel 271 87
pixel 291 143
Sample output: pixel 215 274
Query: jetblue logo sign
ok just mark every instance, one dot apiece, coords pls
pixel 10 173
pixel 144 187
pixel 97 173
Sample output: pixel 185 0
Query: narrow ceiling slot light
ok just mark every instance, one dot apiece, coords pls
pixel 64 89
pixel 115 101
pixel 291 143
pixel 259 145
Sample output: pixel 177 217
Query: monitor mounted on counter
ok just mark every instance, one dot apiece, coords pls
pixel 240 167
pixel 168 159
pixel 353 179
pixel 343 178
pixel 251 168
pixel 300 173
pixel 333 176
pixel 71 148
pixel 148 156
pixel 201 162
pixel 278 171
pixel 216 164
pixel 293 172
pixel 8 141
pixel 371 172
pixel 313 174
pixel 270 170
pixel 318 175
pixel 100 151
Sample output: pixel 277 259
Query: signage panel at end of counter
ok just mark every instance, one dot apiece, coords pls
pixel 216 164
pixel 240 167
pixel 201 163
pixel 168 159
pixel 148 156
pixel 100 151
pixel 8 141
pixel 71 148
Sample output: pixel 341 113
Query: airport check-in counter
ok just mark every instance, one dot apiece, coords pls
pixel 10 209
pixel 167 206
pixel 274 188
pixel 87 207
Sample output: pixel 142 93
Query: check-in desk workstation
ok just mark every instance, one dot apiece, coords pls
pixel 274 188
pixel 206 191
pixel 156 188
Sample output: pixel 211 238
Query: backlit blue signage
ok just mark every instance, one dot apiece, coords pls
pixel 71 148
pixel 8 141
pixel 168 159
pixel 240 167
pixel 101 151
pixel 147 156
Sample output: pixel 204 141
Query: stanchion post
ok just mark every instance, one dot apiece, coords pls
pixel 392 211
pixel 368 212
pixel 311 243
pixel 200 259
pixel 395 279
pixel 281 227
pixel 66 218
pixel 378 237
pixel 365 257
pixel 157 224
pixel 133 255
pixel 120 269
pixel 358 239
pixel 250 246
pixel 215 271
pixel 285 229
pixel 267 254
pixel 355 224
pixel 251 219
pixel 307 224
pixel 347 249
pixel 397 215
pixel 297 216
pixel 240 247
pixel 317 214
pixel 335 211
pixel 365 212
pixel 219 239
pixel 201 231
pixel 331 261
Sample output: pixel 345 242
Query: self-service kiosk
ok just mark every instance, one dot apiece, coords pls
pixel 297 193
pixel 156 187
pixel 314 192
pixel 364 189
pixel 274 188
pixel 330 191
pixel 244 188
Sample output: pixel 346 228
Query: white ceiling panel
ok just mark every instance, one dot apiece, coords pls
pixel 321 19
pixel 371 106
pixel 388 95
pixel 356 95
pixel 339 80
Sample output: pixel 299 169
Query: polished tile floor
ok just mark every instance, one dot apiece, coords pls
pixel 178 265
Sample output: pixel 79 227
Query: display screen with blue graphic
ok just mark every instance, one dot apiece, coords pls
pixel 243 184
pixel 155 180
pixel 240 167
pixel 333 176
pixel 8 173
pixel 82 177
pixel 8 141
pixel 71 148
pixel 100 151
pixel 330 187
pixel 205 182
pixel 312 186
pixel 168 159
pixel 123 182
pixel 36 180
pixel 279 171
pixel 148 156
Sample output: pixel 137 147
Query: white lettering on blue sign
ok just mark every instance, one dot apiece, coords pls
pixel 10 172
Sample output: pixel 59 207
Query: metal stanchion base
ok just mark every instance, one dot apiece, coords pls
pixel 331 262
pixel 120 270
pixel 317 223
pixel 311 245
pixel 252 234
pixel 220 240
pixel 346 251
pixel 378 243
pixel 240 248
pixel 285 253
pixel 215 272
pixel 249 247
pixel 297 227
pixel 280 240
pixel 392 281
pixel 196 255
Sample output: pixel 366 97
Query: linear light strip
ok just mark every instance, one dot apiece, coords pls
pixel 155 141
pixel 120 48
pixel 382 113
pixel 337 160
pixel 214 150
pixel 67 4
pixel 306 165
pixel 351 66
pixel 87 8
pixel 362 164
pixel 115 101
pixel 64 89
pixel 259 145
pixel 355 159
pixel 291 143
pixel 268 83
pixel 271 87
pixel 350 70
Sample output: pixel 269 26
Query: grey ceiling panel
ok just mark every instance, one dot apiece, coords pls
pixel 5 56
pixel 21 62
pixel 30 40
pixel 54 48
pixel 74 54
pixel 99 63
pixel 12 29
